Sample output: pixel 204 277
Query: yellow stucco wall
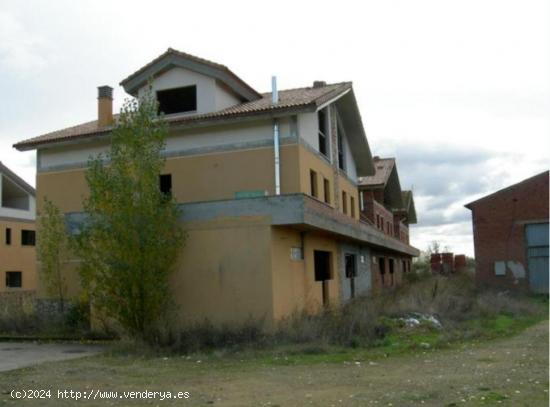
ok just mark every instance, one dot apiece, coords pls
pixel 310 161
pixel 231 269
pixel 294 285
pixel 194 178
pixel 16 257
pixel 223 274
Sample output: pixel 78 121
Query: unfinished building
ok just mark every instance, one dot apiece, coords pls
pixel 17 233
pixel 268 184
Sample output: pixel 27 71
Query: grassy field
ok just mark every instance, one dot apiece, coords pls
pixel 511 370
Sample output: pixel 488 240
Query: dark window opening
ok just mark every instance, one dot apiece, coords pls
pixel 28 237
pixel 404 265
pixel 341 163
pixel 321 260
pixel 165 181
pixel 351 272
pixel 313 183
pixel 344 202
pixel 8 236
pixel 391 271
pixel 14 279
pixel 177 100
pixel 352 206
pixel 322 119
pixel 326 186
pixel 382 268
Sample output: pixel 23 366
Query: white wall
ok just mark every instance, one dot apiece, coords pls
pixel 178 142
pixel 308 129
pixel 350 168
pixel 211 96
pixel 18 213
pixel 224 98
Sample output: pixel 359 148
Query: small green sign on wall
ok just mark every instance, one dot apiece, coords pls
pixel 250 194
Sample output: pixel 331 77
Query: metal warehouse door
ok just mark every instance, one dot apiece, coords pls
pixel 537 256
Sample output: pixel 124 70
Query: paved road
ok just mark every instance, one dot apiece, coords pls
pixel 15 355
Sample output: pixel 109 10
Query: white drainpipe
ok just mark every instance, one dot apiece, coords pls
pixel 274 101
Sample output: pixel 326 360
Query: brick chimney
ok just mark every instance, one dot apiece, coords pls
pixel 104 106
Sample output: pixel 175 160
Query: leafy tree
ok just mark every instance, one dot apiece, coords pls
pixel 53 250
pixel 131 236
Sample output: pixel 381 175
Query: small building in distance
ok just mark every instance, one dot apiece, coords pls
pixel 17 233
pixel 511 236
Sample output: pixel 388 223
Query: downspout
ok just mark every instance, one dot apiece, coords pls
pixel 274 101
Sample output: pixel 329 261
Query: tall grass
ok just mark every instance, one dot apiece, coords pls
pixel 453 300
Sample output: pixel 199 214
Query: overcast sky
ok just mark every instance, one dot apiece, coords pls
pixel 457 91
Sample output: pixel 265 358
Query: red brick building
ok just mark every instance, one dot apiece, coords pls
pixel 511 236
pixel 391 210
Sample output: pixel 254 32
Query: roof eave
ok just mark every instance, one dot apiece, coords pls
pixel 175 124
pixel 17 179
pixel 171 59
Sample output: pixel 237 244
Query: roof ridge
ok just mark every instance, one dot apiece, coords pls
pixel 169 51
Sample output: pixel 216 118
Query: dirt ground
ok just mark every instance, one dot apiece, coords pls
pixel 511 371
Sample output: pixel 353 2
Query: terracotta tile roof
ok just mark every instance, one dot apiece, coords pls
pixel 174 52
pixel 289 100
pixel 383 167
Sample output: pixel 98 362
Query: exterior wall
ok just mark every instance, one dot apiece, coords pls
pixel 224 97
pixel 398 274
pixel 309 160
pixel 294 285
pixel 210 96
pixel 400 230
pixel 5 212
pixel 224 273
pixel 16 257
pixel 194 178
pixel 178 143
pixel 363 280
pixel 499 231
pixel 351 192
pixel 350 167
pixel 383 219
pixel 308 128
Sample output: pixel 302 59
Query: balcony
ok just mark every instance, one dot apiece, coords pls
pixel 297 210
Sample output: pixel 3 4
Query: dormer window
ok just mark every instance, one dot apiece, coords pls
pixel 177 100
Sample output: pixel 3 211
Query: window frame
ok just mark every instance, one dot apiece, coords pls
pixel 7 279
pixel 165 177
pixel 345 202
pixel 326 190
pixel 26 241
pixel 179 88
pixel 313 183
pixel 323 134
pixel 7 237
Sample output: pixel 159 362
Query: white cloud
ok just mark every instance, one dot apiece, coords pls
pixel 458 91
pixel 21 52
